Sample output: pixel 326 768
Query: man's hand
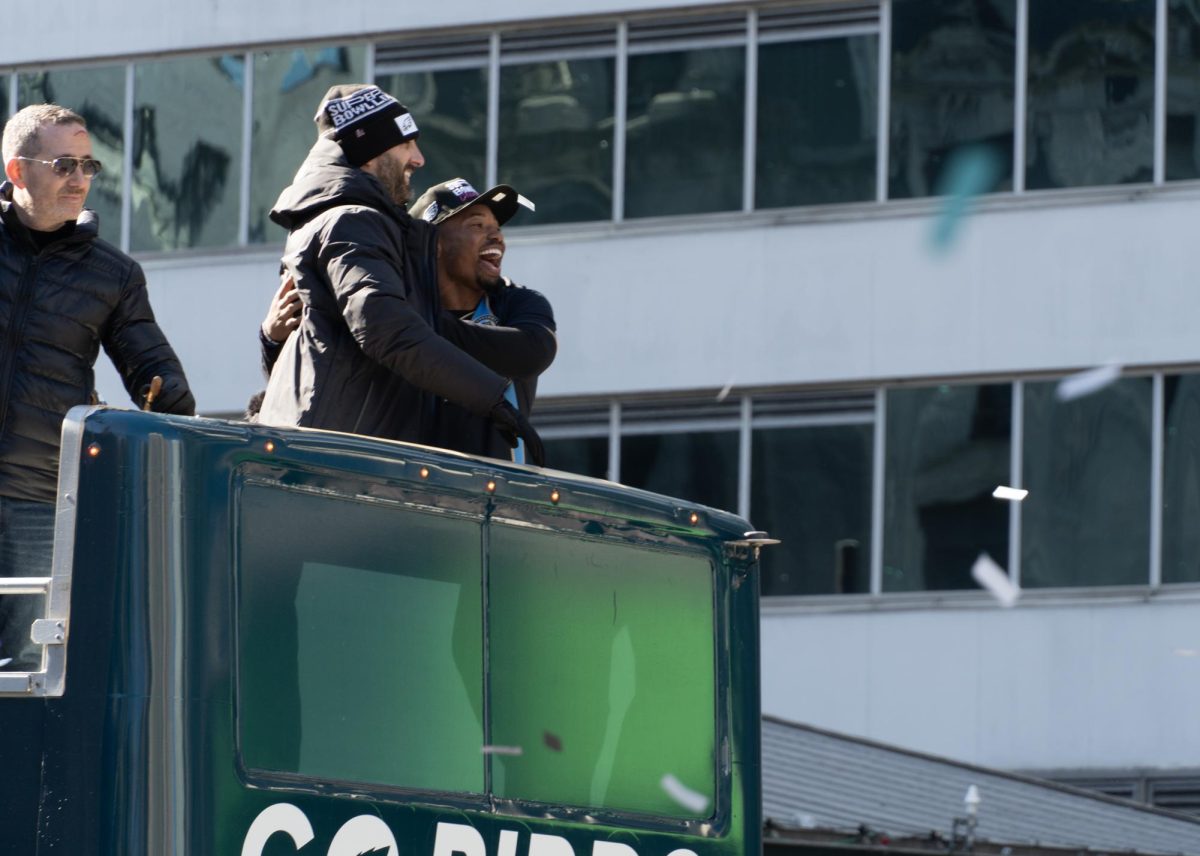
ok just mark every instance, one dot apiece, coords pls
pixel 283 316
pixel 512 425
pixel 171 396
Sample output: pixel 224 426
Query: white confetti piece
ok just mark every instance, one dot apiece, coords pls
pixel 1015 494
pixel 1187 652
pixel 502 750
pixel 5 662
pixel 682 794
pixel 724 393
pixel 991 576
pixel 1085 383
pixel 526 202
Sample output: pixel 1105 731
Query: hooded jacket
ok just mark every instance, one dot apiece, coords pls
pixel 367 357
pixel 57 307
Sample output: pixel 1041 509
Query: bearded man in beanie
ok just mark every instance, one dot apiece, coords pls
pixel 366 357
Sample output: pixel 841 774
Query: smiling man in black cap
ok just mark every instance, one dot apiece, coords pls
pixel 507 327
pixel 366 357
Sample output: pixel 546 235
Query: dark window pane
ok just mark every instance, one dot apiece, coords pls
pixel 587 456
pixel 1181 481
pixel 948 448
pixel 5 107
pixel 817 111
pixel 953 81
pixel 699 467
pixel 288 87
pixel 98 95
pixel 685 132
pixel 1183 90
pixel 451 110
pixel 556 128
pixel 348 639
pixel 1086 521
pixel 811 487
pixel 187 152
pixel 582 648
pixel 1091 93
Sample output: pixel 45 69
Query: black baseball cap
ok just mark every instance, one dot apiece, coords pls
pixel 457 195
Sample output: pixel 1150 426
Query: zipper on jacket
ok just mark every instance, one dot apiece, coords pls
pixel 12 339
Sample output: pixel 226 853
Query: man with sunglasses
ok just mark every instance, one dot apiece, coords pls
pixel 64 293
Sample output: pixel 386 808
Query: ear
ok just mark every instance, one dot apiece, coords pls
pixel 12 170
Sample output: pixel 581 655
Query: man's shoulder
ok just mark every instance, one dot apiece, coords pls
pixel 107 259
pixel 514 292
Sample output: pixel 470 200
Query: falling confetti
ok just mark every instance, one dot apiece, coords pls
pixel 552 740
pixel 502 750
pixel 682 794
pixel 1085 383
pixel 1015 494
pixel 724 393
pixel 5 662
pixel 992 577
pixel 969 172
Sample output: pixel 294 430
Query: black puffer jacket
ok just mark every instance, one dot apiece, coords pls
pixel 367 357
pixel 57 307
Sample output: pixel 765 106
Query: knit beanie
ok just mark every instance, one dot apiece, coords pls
pixel 364 120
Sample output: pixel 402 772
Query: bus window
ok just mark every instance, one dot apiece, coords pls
pixel 602 671
pixel 360 645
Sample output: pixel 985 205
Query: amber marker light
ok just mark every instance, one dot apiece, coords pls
pixel 424 472
pixel 554 497
pixel 491 487
pixel 695 518
pixel 269 446
pixel 94 449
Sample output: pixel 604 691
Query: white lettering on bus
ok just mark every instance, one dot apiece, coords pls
pixel 367 834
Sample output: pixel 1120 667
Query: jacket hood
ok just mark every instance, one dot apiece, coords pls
pixel 87 226
pixel 324 180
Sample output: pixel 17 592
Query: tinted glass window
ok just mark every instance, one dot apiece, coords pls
pixel 948 448
pixel 98 95
pixel 1091 93
pixel 187 154
pixel 700 467
pixel 811 488
pixel 5 107
pixel 952 89
pixel 587 456
pixel 1181 480
pixel 288 88
pixel 451 110
pixel 1086 521
pixel 556 128
pixel 349 636
pixel 1183 90
pixel 685 132
pixel 603 689
pixel 817 111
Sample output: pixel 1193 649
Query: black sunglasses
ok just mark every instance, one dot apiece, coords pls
pixel 65 166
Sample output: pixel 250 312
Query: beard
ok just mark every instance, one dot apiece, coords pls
pixel 395 182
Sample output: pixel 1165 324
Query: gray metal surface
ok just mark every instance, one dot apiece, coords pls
pixel 819 780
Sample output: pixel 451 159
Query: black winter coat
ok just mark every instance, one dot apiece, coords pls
pixel 367 357
pixel 57 307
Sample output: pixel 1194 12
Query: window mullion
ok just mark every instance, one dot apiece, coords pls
pixel 1157 443
pixel 750 132
pixel 127 163
pixel 1160 91
pixel 877 486
pixel 1016 462
pixel 883 115
pixel 247 140
pixel 493 112
pixel 745 439
pixel 1020 95
pixel 620 110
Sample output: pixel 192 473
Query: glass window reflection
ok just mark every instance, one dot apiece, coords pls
pixel 699 467
pixel 685 132
pixel 1181 480
pixel 187 153
pixel 948 448
pixel 1183 90
pixel 288 87
pixel 587 456
pixel 451 110
pixel 952 88
pixel 556 128
pixel 98 95
pixel 1091 93
pixel 5 108
pixel 811 488
pixel 817 110
pixel 1086 521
